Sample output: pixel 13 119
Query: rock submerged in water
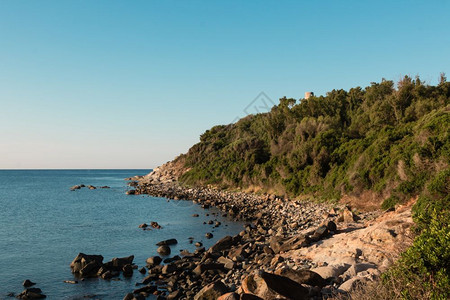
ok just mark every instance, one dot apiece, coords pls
pixel 212 291
pixel 167 242
pixel 86 265
pixel 92 266
pixel 75 187
pixel 31 293
pixel 130 192
pixel 27 283
pixel 163 250
pixel 155 225
pixel 154 260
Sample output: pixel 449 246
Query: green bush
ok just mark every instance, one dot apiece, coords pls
pixel 387 140
pixel 423 271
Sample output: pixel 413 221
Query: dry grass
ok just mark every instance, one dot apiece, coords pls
pixel 393 288
pixel 366 201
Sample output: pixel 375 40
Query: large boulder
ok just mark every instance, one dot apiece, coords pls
pixel 31 293
pixel 302 276
pixel 27 283
pixel 86 265
pixel 201 268
pixel 351 284
pixel 154 260
pixel 222 244
pixel 229 296
pixel 212 291
pixel 272 286
pixel 167 242
pixel 117 264
pixel 250 297
pixel 279 244
pixel 331 271
pixel 163 250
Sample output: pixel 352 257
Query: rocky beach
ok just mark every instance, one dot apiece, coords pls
pixel 289 249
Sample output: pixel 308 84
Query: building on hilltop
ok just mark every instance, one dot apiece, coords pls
pixel 309 94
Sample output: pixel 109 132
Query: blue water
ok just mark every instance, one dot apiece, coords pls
pixel 44 225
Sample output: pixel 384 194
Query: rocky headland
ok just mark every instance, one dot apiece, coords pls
pixel 289 249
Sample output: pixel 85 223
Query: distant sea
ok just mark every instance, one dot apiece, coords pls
pixel 44 225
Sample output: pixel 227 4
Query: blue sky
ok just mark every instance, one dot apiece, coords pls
pixel 131 84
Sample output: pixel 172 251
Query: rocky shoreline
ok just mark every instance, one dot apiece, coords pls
pixel 280 254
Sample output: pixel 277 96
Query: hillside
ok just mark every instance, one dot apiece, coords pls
pixel 380 143
pixel 376 147
pixel 373 147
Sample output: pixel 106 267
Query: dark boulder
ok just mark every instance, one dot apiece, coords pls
pixel 117 264
pixel 31 293
pixel 212 291
pixel 86 265
pixel 302 276
pixel 222 244
pixel 28 283
pixel 154 260
pixel 163 250
pixel 167 242
pixel 285 286
pixel 127 270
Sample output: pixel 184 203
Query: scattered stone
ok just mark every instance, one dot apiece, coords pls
pixel 155 225
pixel 75 187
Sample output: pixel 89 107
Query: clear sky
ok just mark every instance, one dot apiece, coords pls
pixel 131 84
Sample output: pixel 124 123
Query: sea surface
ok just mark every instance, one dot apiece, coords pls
pixel 44 225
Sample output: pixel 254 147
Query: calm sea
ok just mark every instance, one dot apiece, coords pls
pixel 44 225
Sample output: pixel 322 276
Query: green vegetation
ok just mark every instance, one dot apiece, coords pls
pixel 387 140
pixel 391 141
pixel 424 269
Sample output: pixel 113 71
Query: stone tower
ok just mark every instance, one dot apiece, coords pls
pixel 308 94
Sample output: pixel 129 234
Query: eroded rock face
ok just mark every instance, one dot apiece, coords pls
pixel 377 242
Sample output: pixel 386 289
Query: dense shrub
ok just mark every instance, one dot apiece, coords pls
pixel 390 140
pixel 423 271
